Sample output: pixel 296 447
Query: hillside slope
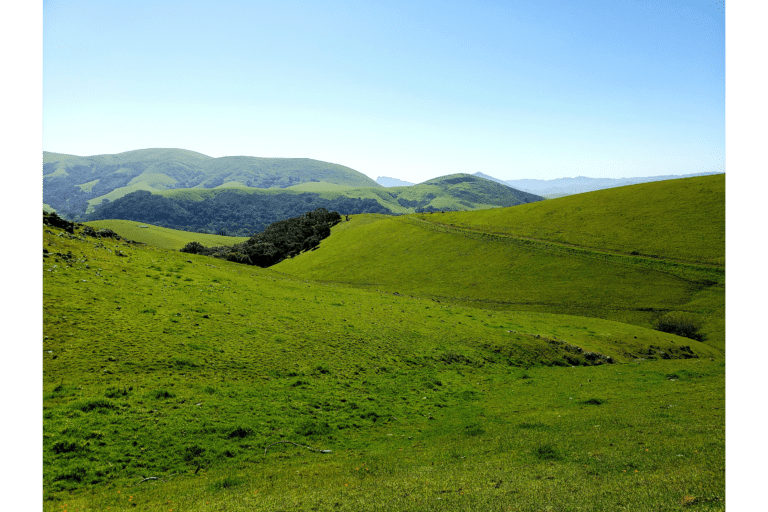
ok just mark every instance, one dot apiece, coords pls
pixel 74 184
pixel 240 210
pixel 173 380
pixel 437 256
pixel 681 219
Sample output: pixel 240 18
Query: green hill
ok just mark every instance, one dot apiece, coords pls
pixel 168 378
pixel 74 184
pixel 495 359
pixel 478 258
pixel 680 219
pixel 162 237
pixel 241 210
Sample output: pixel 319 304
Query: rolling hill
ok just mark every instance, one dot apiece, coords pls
pixel 433 361
pixel 74 184
pixel 241 211
pixel 568 186
pixel 628 254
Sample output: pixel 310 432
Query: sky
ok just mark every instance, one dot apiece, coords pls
pixel 412 90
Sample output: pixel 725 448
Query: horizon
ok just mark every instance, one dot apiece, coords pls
pixel 538 90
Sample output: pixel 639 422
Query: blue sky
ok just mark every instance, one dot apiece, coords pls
pixel 413 90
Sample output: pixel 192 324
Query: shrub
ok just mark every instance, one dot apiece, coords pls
pixel 193 248
pixel 679 323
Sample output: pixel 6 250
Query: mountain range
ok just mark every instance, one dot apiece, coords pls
pixel 580 184
pixel 187 190
pixel 75 185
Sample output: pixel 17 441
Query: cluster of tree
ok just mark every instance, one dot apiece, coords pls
pixel 280 240
pixel 432 209
pixel 234 212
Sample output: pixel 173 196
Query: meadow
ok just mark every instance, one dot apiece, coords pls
pixel 427 377
pixel 158 236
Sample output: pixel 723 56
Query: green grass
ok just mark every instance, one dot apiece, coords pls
pixel 445 368
pixel 440 193
pixel 162 237
pixel 407 256
pixel 156 367
pixel 682 219
pixel 318 186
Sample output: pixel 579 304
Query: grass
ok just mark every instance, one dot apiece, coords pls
pixel 405 256
pixel 162 237
pixel 440 193
pixel 441 373
pixel 682 219
pixel 163 392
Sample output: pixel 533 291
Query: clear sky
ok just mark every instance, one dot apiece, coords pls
pixel 412 90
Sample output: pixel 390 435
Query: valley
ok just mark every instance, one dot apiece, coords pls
pixel 496 359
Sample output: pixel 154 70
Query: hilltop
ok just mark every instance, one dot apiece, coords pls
pixel 74 184
pixel 242 211
pixel 580 184
pixel 628 254
pixel 418 362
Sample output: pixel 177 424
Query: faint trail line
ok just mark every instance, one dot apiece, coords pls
pixel 689 272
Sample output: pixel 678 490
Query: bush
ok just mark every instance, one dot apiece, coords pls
pixel 193 248
pixel 280 240
pixel 680 324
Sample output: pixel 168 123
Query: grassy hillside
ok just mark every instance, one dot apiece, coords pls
pixel 454 192
pixel 162 237
pixel 183 369
pixel 242 210
pixel 438 256
pixel 681 219
pixel 75 184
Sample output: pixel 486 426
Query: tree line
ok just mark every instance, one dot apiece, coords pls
pixel 230 212
pixel 280 240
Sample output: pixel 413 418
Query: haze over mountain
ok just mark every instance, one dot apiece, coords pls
pixel 579 184
pixel 384 181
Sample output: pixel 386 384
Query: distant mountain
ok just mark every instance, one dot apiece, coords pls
pixel 242 211
pixel 473 192
pixel 392 182
pixel 569 186
pixel 74 185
